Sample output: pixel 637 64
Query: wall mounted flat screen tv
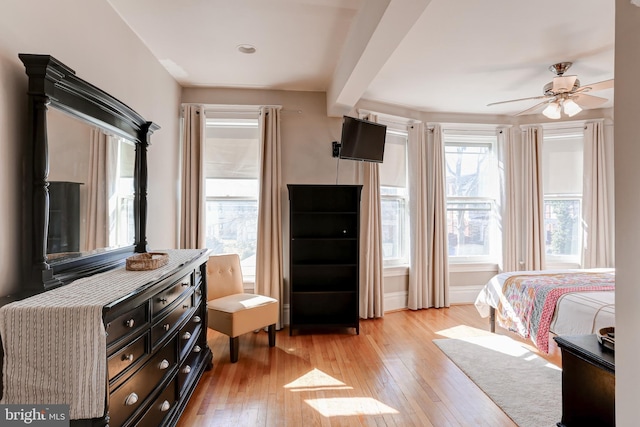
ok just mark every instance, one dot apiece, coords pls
pixel 362 140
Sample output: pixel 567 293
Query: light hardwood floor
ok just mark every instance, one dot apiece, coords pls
pixel 391 374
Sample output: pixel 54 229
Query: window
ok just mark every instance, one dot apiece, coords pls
pixel 562 152
pixel 232 186
pixel 122 225
pixel 471 190
pixel 394 198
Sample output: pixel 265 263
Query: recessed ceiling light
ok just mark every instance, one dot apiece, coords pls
pixel 246 48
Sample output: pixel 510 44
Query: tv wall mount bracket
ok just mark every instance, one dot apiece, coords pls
pixel 335 146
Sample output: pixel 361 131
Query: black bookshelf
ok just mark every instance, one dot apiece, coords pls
pixel 324 225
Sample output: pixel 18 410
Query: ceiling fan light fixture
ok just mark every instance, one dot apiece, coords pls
pixel 571 108
pixel 552 111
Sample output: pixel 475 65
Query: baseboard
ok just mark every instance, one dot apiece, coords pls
pixel 464 294
pixel 394 301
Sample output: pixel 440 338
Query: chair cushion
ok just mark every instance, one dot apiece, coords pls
pixel 238 314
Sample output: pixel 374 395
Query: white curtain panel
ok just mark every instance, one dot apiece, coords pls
pixel 597 210
pixel 533 200
pixel 371 259
pixel 438 245
pixel 418 222
pixel 96 230
pixel 111 187
pixel 269 262
pixel 508 203
pixel 192 203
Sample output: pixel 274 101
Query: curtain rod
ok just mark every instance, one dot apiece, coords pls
pixel 240 109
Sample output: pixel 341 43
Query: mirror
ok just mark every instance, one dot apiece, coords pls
pixel 91 190
pixel 85 183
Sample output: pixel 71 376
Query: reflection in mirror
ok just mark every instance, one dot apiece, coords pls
pixel 91 189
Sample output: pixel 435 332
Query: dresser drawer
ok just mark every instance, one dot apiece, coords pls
pixel 128 397
pixel 160 407
pixel 162 300
pixel 197 277
pixel 188 334
pixel 126 324
pixel 167 324
pixel 127 356
pixel 188 368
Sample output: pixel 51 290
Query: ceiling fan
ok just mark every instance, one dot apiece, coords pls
pixel 564 94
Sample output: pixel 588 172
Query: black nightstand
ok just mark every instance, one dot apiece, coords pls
pixel 588 382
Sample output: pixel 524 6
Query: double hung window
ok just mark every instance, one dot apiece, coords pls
pixel 562 158
pixel 394 198
pixel 231 185
pixel 471 190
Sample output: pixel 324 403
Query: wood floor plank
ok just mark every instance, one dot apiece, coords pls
pixel 391 374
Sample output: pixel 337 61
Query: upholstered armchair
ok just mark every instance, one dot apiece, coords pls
pixel 230 310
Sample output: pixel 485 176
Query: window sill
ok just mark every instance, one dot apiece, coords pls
pixel 395 271
pixel 471 267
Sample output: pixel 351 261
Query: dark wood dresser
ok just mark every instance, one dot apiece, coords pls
pixel 149 346
pixel 588 382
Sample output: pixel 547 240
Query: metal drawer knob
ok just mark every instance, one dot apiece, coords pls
pixel 166 326
pixel 197 319
pixel 163 300
pixel 129 323
pixel 165 406
pixel 164 364
pixel 185 306
pixel 131 399
pixel 128 357
pixel 186 335
pixel 186 369
pixel 197 349
pixel 186 283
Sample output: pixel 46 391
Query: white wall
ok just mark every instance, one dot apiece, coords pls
pixel 627 178
pixel 89 37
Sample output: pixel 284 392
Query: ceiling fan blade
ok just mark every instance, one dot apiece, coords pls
pixel 563 84
pixel 516 100
pixel 588 101
pixel 534 109
pixel 606 84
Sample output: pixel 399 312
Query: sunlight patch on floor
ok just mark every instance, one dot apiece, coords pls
pixel 349 406
pixel 316 380
pixel 495 342
pixel 463 331
pixel 552 366
pixel 485 339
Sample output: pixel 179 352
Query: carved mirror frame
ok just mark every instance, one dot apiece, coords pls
pixel 53 84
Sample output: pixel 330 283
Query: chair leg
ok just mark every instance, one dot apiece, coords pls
pixel 272 335
pixel 234 343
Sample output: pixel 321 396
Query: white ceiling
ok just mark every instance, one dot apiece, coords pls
pixel 450 56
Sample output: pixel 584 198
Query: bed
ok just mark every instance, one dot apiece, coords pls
pixel 535 304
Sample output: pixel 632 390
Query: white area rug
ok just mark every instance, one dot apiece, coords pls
pixel 524 385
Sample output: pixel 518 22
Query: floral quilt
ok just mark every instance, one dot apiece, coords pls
pixel 528 302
